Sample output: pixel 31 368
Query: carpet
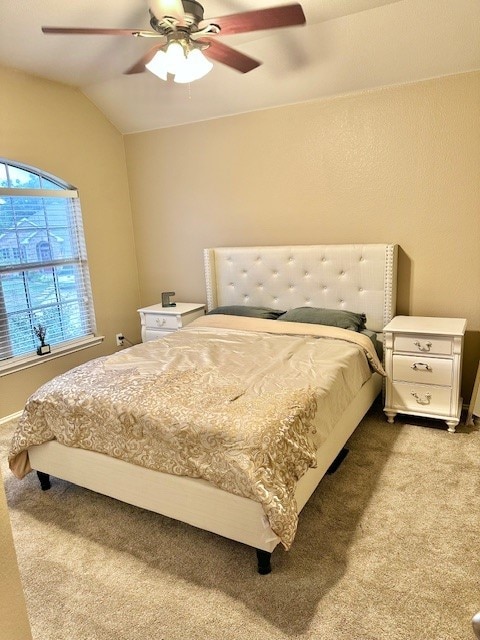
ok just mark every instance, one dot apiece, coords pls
pixel 387 548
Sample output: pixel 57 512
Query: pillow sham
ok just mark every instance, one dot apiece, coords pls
pixel 251 312
pixel 330 317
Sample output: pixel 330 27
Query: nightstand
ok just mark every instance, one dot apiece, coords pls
pixel 423 363
pixel 158 321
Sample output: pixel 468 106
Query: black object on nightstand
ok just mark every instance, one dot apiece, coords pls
pixel 166 299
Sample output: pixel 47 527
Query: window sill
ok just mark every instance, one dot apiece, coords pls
pixel 18 364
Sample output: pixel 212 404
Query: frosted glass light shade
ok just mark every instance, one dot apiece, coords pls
pixel 184 68
pixel 195 67
pixel 158 65
pixel 175 57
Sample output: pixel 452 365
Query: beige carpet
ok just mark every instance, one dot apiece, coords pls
pixel 388 548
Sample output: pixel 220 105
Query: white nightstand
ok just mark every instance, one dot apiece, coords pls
pixel 423 362
pixel 158 321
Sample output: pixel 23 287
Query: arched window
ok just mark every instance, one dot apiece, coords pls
pixel 43 263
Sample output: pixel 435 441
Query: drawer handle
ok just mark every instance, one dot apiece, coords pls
pixel 425 400
pixel 421 366
pixel 426 347
pixel 160 322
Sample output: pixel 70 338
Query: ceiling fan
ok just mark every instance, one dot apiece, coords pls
pixel 188 40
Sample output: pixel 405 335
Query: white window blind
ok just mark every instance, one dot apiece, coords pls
pixel 44 277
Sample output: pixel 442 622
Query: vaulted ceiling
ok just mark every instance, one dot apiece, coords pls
pixel 345 46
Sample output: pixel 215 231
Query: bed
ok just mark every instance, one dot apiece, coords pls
pixel 355 279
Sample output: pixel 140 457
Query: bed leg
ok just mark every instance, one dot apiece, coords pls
pixel 44 480
pixel 338 461
pixel 264 565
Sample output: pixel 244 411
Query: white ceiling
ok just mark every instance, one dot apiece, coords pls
pixel 346 45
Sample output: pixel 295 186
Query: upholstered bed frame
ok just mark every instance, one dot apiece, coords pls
pixel 360 278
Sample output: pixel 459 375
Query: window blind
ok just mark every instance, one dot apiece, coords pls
pixel 44 278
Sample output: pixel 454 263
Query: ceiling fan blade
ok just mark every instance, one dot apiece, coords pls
pixel 231 57
pixel 257 20
pixel 139 66
pixel 172 8
pixel 101 32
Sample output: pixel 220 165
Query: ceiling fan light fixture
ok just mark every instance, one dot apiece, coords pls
pixel 195 66
pixel 184 67
pixel 175 57
pixel 158 64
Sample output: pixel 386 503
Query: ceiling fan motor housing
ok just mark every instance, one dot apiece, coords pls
pixel 193 8
pixel 193 16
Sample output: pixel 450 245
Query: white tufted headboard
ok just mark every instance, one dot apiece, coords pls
pixel 354 277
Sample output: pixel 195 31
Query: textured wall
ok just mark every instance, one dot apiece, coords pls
pixel 397 165
pixel 13 612
pixel 55 128
pixel 400 164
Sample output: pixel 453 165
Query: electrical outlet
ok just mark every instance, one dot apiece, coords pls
pixel 120 339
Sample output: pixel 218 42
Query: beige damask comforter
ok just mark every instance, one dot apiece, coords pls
pixel 240 402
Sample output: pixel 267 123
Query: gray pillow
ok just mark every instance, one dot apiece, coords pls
pixel 244 310
pixel 331 317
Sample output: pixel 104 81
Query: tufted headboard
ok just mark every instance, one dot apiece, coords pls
pixel 354 277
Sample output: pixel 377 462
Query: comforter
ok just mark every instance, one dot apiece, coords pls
pixel 240 402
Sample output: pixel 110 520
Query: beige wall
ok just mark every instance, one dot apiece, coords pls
pixel 14 623
pixel 55 128
pixel 396 165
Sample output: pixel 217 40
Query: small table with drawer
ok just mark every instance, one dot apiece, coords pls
pixel 423 363
pixel 158 321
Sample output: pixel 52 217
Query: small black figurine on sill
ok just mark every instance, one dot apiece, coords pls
pixel 166 299
pixel 41 332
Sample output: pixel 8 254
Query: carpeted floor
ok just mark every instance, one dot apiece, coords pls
pixel 388 547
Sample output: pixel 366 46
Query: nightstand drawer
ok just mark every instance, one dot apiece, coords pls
pixel 423 344
pixel 159 321
pixel 419 369
pixel 422 398
pixel 155 334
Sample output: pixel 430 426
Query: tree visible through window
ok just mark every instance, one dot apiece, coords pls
pixel 43 264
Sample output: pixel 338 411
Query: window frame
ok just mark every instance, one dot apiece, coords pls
pixel 60 190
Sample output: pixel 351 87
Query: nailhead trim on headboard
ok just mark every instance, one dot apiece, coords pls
pixel 391 252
